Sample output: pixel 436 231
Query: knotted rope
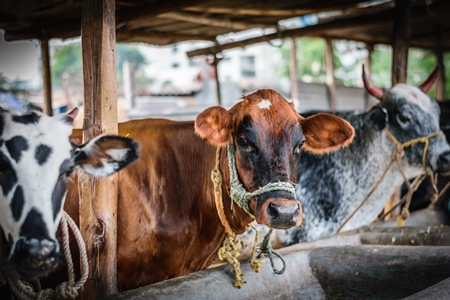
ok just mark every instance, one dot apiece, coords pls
pixel 396 157
pixel 232 245
pixel 65 290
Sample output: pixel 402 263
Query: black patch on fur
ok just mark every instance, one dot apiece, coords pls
pixel 34 226
pixel 8 176
pixel 29 118
pixel 15 147
pixel 17 203
pixel 58 196
pixel 80 157
pixel 42 153
pixel 328 208
pixel 10 240
pixel 376 118
pixel 2 124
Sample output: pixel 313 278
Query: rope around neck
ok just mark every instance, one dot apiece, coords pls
pixel 238 192
pixel 65 290
pixel 232 245
pixel 396 156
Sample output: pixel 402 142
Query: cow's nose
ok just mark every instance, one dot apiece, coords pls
pixel 282 215
pixel 37 252
pixel 443 163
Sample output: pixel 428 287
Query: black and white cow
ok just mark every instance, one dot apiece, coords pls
pixel 36 160
pixel 331 187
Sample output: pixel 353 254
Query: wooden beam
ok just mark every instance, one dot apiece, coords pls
pixel 281 12
pixel 168 38
pixel 329 77
pixel 215 64
pixel 400 41
pixel 154 9
pixel 293 70
pixel 98 197
pixel 253 12
pixel 368 68
pixel 71 28
pixel 363 22
pixel 197 19
pixel 46 78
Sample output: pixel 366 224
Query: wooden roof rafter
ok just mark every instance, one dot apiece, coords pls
pixel 351 26
pixel 200 19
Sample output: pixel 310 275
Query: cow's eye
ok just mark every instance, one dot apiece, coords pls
pixel 298 146
pixel 242 142
pixel 402 119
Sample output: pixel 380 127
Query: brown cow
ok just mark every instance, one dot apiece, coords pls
pixel 168 224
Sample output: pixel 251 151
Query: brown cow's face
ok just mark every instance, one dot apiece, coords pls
pixel 268 134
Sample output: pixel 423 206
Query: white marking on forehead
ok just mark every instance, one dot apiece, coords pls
pixel 264 104
pixel 413 94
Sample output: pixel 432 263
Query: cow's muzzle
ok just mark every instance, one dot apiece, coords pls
pixel 34 257
pixel 278 212
pixel 443 164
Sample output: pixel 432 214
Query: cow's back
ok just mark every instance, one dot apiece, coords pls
pixel 165 200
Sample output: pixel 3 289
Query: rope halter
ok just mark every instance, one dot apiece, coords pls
pixel 231 245
pixel 425 140
pixel 238 192
pixel 396 156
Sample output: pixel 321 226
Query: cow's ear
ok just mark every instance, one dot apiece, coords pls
pixel 325 133
pixel 215 125
pixel 376 118
pixel 106 155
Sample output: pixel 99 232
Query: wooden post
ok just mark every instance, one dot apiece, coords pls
pixel 293 70
pixel 215 64
pixel 400 41
pixel 46 78
pixel 368 68
pixel 440 82
pixel 329 79
pixel 98 197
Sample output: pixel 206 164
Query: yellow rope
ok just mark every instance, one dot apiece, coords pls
pixel 254 264
pixel 231 245
pixel 229 252
pixel 396 156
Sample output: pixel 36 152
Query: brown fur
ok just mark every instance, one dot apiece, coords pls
pixel 168 225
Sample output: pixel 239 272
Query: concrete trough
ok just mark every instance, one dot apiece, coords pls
pixel 343 266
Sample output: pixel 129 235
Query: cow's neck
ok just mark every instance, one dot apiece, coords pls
pixel 375 161
pixel 237 218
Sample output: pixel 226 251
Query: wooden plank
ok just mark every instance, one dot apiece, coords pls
pixel 363 22
pixel 46 78
pixel 400 41
pixel 329 77
pixel 368 68
pixel 98 197
pixel 215 64
pixel 254 11
pixel 198 19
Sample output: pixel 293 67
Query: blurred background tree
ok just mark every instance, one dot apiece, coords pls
pixel 349 55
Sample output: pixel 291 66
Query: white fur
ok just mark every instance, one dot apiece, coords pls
pixel 413 94
pixel 37 181
pixel 265 104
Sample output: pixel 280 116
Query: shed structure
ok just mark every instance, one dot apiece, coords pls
pixel 161 22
